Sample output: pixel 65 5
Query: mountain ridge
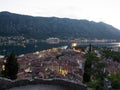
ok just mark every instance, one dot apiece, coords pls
pixel 44 27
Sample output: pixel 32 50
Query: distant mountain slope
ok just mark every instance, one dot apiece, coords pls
pixel 44 27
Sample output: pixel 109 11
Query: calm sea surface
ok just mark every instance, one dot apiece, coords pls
pixel 28 48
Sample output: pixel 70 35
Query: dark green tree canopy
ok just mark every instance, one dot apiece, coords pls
pixel 11 66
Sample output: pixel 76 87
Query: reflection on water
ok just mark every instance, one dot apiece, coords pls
pixel 28 48
pixel 118 45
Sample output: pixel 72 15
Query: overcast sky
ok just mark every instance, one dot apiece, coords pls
pixel 107 11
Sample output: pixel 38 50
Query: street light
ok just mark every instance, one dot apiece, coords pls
pixel 73 45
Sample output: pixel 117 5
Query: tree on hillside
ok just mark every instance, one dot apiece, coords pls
pixel 10 66
pixel 115 80
pixel 94 71
pixel 108 54
pixel 88 67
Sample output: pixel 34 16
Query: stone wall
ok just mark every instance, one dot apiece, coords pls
pixel 6 83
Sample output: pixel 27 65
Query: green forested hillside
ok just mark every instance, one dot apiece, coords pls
pixel 44 27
